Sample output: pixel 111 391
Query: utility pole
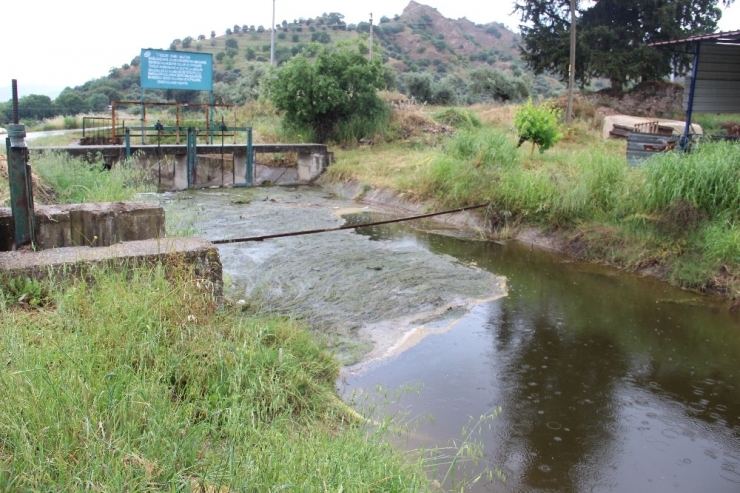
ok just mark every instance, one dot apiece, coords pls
pixel 272 37
pixel 371 36
pixel 572 65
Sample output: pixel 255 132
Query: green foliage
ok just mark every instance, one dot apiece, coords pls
pixel 721 241
pixel 495 85
pixel 613 36
pixel 320 37
pixel 538 124
pixel 458 118
pixel 419 86
pixel 322 95
pixel 139 381
pixel 232 43
pixel 25 292
pixel 707 178
pixel 77 181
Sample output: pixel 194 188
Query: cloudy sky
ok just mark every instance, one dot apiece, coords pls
pixel 59 43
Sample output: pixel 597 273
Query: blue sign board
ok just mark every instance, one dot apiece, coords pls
pixel 161 69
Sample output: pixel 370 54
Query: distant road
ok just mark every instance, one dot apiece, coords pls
pixel 36 135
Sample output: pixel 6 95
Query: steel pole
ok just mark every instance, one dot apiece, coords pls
pixel 272 37
pixel 572 65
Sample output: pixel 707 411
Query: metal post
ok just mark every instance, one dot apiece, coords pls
pixel 272 39
pixel 213 116
pixel 572 66
pixel 128 143
pixel 192 150
pixel 19 174
pixel 692 89
pixel 250 160
pixel 143 116
pixel 371 36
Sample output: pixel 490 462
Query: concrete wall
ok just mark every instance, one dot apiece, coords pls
pixel 73 262
pixel 100 224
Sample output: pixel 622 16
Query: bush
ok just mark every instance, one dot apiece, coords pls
pixel 458 118
pixel 538 125
pixel 337 89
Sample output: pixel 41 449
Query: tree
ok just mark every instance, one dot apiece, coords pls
pixel 237 29
pixel 35 107
pixel 187 41
pixel 213 34
pixel 201 37
pixel 98 102
pixel 493 84
pixel 232 43
pixel 327 95
pixel 419 86
pixel 321 37
pixel 613 36
pixel 70 103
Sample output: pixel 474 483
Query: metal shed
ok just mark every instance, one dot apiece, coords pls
pixel 714 83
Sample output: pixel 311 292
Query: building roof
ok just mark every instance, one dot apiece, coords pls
pixel 729 37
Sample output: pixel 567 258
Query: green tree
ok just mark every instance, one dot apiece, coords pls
pixel 419 86
pixel 34 107
pixel 187 41
pixel 98 102
pixel 493 84
pixel 321 37
pixel 612 36
pixel 70 103
pixel 338 89
pixel 232 43
pixel 538 125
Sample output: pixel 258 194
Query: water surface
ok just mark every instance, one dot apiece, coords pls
pixel 607 382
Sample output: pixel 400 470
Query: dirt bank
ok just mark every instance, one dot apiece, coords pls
pixel 573 243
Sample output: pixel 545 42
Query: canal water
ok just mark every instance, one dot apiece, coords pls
pixel 604 381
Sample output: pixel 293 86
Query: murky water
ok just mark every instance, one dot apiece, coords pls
pixel 606 382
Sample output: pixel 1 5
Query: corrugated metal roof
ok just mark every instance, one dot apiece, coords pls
pixel 728 37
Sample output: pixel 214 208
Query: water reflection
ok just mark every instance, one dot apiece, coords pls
pixel 608 382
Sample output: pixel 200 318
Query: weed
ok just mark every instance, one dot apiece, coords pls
pixel 139 381
pixel 77 181
pixel 24 291
pixel 457 118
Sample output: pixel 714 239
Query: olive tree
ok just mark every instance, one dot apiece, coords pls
pixel 333 96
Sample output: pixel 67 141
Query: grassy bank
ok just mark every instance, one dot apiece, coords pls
pixel 139 381
pixel 678 216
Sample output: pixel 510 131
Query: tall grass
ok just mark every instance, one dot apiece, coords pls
pixel 77 181
pixel 707 178
pixel 139 381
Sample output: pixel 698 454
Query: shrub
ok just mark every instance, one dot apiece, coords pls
pixel 538 124
pixel 338 88
pixel 458 118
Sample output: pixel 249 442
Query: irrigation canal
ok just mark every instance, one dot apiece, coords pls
pixel 606 381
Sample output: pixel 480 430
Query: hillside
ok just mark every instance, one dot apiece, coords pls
pixel 420 39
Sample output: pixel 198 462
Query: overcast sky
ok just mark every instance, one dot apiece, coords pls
pixel 50 44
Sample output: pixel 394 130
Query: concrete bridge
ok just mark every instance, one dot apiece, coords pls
pixel 217 164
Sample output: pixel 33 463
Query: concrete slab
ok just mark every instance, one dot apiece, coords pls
pixel 630 121
pixel 96 224
pixel 64 263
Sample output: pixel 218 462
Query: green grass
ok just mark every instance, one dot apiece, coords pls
pixel 77 181
pixel 677 214
pixel 138 381
pixel 707 178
